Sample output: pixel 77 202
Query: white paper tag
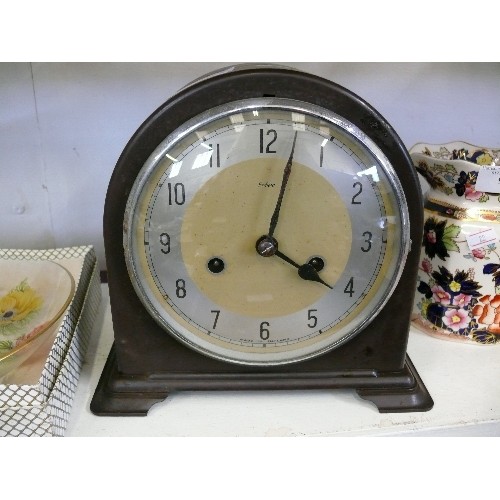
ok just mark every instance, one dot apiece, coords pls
pixel 488 180
pixel 481 238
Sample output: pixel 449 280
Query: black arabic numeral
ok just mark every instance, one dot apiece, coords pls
pixel 368 240
pixel 165 242
pixel 360 190
pixel 176 193
pixel 264 330
pixel 217 313
pixel 349 288
pixel 313 320
pixel 180 288
pixel 269 132
pixel 217 155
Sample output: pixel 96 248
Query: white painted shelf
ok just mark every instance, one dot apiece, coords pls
pixel 462 379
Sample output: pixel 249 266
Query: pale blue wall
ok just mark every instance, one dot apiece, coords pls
pixel 63 126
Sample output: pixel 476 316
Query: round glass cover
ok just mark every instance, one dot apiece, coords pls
pixel 265 231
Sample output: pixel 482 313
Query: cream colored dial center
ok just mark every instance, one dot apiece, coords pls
pixel 233 209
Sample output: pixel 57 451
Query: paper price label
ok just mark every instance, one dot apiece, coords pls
pixel 488 179
pixel 481 238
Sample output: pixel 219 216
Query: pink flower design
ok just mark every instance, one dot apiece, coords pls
pixel 462 300
pixel 479 253
pixel 472 194
pixel 441 296
pixel 426 266
pixel 456 319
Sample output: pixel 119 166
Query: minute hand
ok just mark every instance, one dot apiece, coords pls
pixel 286 175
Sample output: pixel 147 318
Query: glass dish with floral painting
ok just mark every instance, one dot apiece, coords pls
pixel 33 296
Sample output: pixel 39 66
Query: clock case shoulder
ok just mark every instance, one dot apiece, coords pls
pixel 146 364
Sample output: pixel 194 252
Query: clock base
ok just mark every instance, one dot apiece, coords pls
pixel 119 394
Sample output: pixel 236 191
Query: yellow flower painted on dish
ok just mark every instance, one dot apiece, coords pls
pixel 18 304
pixel 485 159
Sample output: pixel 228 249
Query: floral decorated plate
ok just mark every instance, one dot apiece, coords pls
pixel 452 171
pixel 33 295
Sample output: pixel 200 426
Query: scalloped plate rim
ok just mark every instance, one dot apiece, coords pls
pixel 446 145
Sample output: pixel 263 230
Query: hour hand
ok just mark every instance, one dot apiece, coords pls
pixel 267 247
pixel 306 271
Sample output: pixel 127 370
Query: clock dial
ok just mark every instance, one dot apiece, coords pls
pixel 265 231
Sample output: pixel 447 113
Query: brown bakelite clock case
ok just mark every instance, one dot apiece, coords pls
pixel 261 232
